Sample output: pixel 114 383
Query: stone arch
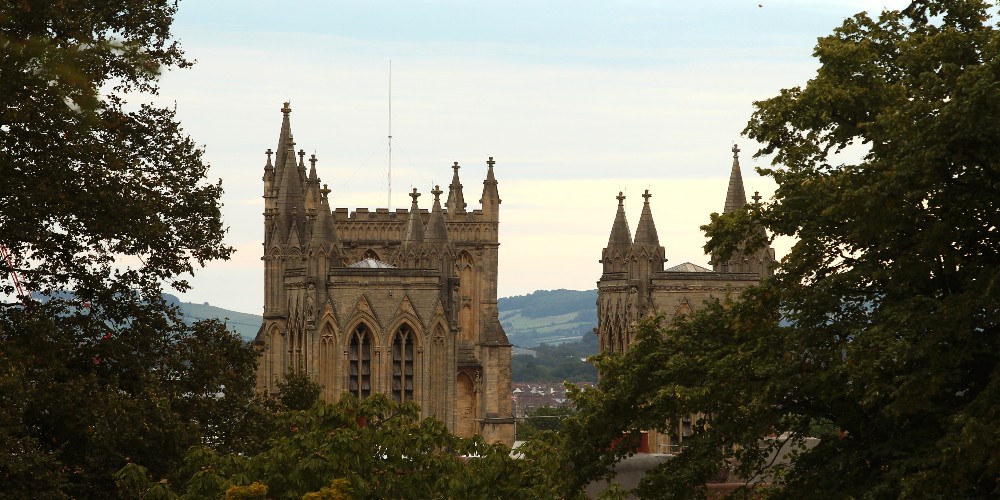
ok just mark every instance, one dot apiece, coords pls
pixel 435 399
pixel 370 254
pixel 274 361
pixel 359 344
pixel 328 357
pixel 404 361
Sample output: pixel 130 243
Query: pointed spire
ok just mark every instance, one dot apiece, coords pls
pixel 291 198
pixel 414 226
pixel 284 139
pixel 621 237
pixel 324 231
pixel 491 196
pixel 437 231
pixel 312 169
pixel 268 177
pixel 645 233
pixel 456 201
pixel 736 197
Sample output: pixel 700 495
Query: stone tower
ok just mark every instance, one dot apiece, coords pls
pixel 635 285
pixel 400 302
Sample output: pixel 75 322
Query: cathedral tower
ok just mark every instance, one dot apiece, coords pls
pixel 402 303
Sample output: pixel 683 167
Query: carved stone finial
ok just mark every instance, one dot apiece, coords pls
pixel 285 108
pixel 325 191
pixel 646 196
pixel 302 156
pixel 620 198
pixel 736 150
pixel 312 160
pixel 756 197
pixel 490 162
pixel 414 195
pixel 455 167
pixel 437 193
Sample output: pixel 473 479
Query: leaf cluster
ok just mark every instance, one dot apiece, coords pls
pixel 365 449
pixel 99 195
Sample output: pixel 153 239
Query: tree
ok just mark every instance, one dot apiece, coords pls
pixel 880 328
pixel 105 199
pixel 373 448
pixel 89 177
pixel 545 418
pixel 297 391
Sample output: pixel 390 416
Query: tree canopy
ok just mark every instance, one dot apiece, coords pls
pixel 878 333
pixel 89 177
pixel 373 448
pixel 103 200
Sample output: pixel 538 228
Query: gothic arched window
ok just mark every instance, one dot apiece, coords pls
pixel 361 362
pixel 402 364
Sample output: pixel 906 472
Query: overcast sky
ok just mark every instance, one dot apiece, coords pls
pixel 575 100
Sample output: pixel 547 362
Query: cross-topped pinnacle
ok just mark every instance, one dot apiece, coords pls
pixel 325 191
pixel 756 197
pixel 269 153
pixel 455 167
pixel 414 195
pixel 646 196
pixel 285 109
pixel 620 198
pixel 302 156
pixel 490 162
pixel 312 160
pixel 437 193
pixel 736 150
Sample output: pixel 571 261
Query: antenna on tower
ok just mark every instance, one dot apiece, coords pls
pixel 389 201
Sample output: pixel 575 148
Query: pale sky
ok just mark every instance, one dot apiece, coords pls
pixel 575 100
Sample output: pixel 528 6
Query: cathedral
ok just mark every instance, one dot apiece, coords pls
pixel 402 303
pixel 635 284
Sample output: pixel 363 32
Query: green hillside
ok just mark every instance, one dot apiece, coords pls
pixel 541 317
pixel 548 316
pixel 245 324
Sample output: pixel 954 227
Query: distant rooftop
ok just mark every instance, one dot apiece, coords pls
pixel 688 267
pixel 372 264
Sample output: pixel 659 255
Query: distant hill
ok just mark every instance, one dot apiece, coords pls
pixel 245 324
pixel 548 316
pixel 541 317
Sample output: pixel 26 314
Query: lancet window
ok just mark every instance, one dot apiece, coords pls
pixel 402 364
pixel 360 352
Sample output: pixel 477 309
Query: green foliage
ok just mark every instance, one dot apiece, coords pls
pixel 365 449
pixel 879 330
pixel 297 391
pixel 253 491
pixel 106 373
pixel 90 177
pixel 79 408
pixel 545 418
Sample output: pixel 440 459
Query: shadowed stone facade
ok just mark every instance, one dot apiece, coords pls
pixel 400 302
pixel 635 285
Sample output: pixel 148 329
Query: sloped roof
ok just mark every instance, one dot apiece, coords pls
pixel 372 264
pixel 688 267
